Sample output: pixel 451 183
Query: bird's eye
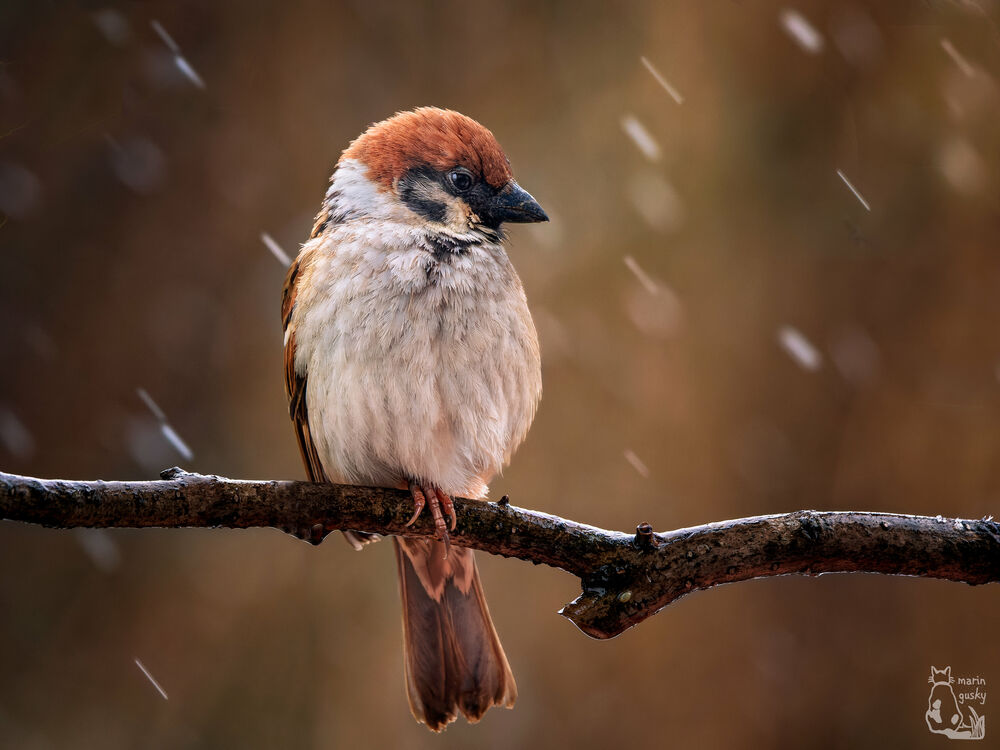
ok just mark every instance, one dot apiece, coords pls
pixel 460 180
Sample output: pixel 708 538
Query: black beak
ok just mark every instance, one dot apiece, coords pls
pixel 515 205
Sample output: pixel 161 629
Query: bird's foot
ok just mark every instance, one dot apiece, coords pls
pixel 440 504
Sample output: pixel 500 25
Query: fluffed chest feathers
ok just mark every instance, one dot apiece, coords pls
pixel 420 364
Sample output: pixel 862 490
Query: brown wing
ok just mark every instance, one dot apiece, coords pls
pixel 295 389
pixel 295 384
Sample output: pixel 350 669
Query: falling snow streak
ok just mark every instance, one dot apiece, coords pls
pixel 15 438
pixel 100 547
pixel 644 278
pixel 190 73
pixel 169 434
pixel 167 39
pixel 641 137
pixel 854 190
pixel 276 250
pixel 152 405
pixel 637 464
pixel 179 60
pixel 799 348
pixel 964 65
pixel 654 309
pixel 674 93
pixel 801 31
pixel 152 679
pixel 175 440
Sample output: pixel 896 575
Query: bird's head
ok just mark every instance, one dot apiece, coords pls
pixel 442 167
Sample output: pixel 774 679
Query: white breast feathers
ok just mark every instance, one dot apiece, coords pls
pixel 420 355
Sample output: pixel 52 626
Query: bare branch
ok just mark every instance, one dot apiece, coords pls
pixel 625 577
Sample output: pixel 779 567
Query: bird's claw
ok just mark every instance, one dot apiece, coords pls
pixel 449 510
pixel 438 501
pixel 418 502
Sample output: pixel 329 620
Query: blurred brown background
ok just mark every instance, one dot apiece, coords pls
pixel 769 345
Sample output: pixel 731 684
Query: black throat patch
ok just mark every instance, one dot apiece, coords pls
pixel 443 248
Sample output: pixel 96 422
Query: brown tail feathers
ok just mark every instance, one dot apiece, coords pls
pixel 452 655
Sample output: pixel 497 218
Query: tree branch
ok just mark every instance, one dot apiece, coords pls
pixel 625 577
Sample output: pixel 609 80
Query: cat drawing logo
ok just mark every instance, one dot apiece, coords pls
pixel 954 715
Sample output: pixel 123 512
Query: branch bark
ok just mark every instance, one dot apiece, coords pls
pixel 625 577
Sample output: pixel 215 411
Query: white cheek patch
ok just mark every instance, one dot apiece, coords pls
pixel 353 194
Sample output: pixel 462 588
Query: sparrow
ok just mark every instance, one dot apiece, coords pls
pixel 411 361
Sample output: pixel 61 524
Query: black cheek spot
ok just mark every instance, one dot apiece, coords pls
pixel 415 199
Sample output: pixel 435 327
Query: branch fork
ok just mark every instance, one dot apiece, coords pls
pixel 625 578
